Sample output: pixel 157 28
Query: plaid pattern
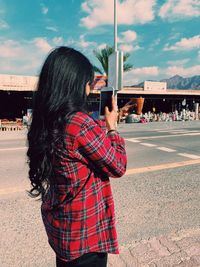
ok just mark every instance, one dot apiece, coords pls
pixel 78 211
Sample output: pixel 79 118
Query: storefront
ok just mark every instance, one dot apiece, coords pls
pixel 166 101
pixel 16 95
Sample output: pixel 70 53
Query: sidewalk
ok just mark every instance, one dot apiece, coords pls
pixel 13 135
pixel 122 127
pixel 153 126
pixel 180 249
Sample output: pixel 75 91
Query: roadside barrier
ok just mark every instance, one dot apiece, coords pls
pixel 11 128
pixel 6 125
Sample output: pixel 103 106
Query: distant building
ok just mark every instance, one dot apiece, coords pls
pixel 18 82
pixel 16 93
pixel 155 86
pixel 16 96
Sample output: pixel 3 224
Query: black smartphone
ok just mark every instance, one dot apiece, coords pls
pixel 106 100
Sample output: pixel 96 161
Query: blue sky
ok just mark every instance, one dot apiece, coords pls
pixel 162 37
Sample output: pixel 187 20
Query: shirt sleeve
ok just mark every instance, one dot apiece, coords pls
pixel 106 152
pixel 102 124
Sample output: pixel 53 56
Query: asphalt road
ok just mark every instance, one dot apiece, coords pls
pixel 162 146
pixel 148 203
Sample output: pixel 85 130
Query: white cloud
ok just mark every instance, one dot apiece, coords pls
pixel 52 28
pixel 176 9
pixel 131 81
pixel 184 44
pixel 127 37
pixel 174 35
pixel 58 41
pixel 42 44
pixel 70 42
pixel 44 9
pixel 3 24
pixel 185 72
pixel 154 44
pixel 9 49
pixel 140 74
pixel 129 12
pixel 84 44
pixel 180 62
pixel 81 44
pixel 152 71
pixel 136 47
pixel 22 57
pixel 85 7
pixel 155 73
pixel 126 40
pixel 102 46
pixel 198 55
pixel 126 48
pixel 27 67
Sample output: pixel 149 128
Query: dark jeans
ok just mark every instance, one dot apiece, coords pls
pixel 92 259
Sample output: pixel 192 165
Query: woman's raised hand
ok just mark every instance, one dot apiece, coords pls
pixel 111 116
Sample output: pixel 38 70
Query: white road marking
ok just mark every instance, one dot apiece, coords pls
pixel 180 132
pixel 164 136
pixel 177 130
pixel 147 144
pixel 185 131
pixel 193 134
pixel 13 148
pixel 164 131
pixel 132 140
pixel 166 149
pixel 191 156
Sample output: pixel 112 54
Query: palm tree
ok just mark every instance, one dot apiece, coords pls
pixel 103 55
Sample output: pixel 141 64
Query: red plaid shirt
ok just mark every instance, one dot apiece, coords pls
pixel 78 211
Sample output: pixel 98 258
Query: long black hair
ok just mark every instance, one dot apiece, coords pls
pixel 60 93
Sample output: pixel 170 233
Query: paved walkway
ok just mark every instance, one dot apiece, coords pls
pixel 177 250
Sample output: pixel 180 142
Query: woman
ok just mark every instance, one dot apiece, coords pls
pixel 71 157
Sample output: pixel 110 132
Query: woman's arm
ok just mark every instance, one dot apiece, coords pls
pixel 105 152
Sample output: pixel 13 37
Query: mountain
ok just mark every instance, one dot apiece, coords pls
pixel 178 82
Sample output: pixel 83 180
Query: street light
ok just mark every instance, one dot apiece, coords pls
pixel 115 46
pixel 115 61
pixel 115 25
